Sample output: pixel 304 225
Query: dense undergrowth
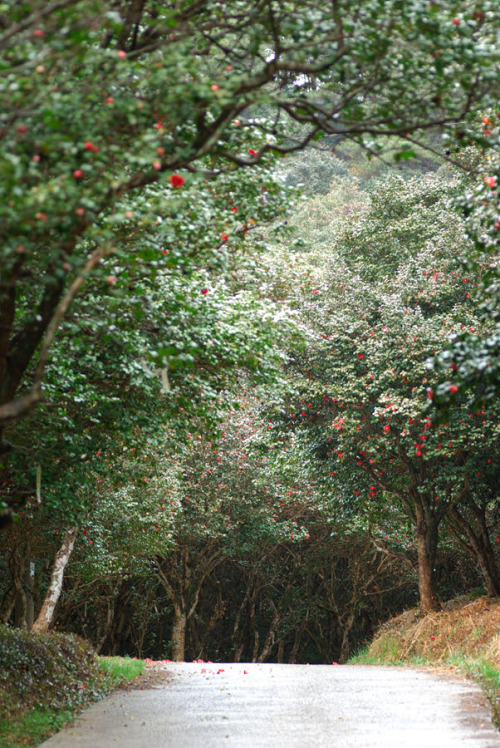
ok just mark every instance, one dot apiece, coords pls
pixel 465 635
pixel 46 679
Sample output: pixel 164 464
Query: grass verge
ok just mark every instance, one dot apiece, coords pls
pixel 465 636
pixel 46 680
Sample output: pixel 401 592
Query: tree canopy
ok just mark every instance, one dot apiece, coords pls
pixel 247 410
pixel 101 100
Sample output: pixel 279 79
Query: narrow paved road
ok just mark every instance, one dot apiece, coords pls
pixel 289 706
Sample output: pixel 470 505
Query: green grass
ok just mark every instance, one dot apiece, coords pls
pixel 486 674
pixel 388 653
pixel 32 727
pixel 118 670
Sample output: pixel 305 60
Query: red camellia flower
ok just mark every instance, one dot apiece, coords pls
pixel 252 152
pixel 176 180
pixel 456 22
pixel 490 181
pixel 78 174
pixel 387 428
pixel 453 388
pixel 204 291
pixel 360 355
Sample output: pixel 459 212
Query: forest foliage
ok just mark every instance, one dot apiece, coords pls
pixel 269 418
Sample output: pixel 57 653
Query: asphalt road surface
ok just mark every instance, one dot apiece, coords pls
pixel 198 705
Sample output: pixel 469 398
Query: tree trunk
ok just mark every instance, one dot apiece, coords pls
pixel 492 582
pixel 24 607
pixel 255 630
pixel 426 554
pixel 46 615
pixel 299 633
pixel 179 635
pixel 183 583
pixel 238 652
pixel 105 630
pixel 237 636
pixel 29 580
pixel 218 613
pixel 478 544
pixel 281 651
pixel 345 645
pixel 269 642
pixel 20 610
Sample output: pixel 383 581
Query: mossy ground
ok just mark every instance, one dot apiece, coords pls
pixel 46 679
pixel 465 635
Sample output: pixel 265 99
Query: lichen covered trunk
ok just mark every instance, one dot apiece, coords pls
pixel 46 615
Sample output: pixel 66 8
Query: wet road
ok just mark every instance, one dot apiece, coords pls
pixel 289 706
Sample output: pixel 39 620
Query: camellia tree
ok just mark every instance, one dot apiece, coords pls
pixel 101 100
pixel 163 343
pixel 226 510
pixel 158 333
pixel 475 359
pixel 177 514
pixel 213 339
pixel 392 295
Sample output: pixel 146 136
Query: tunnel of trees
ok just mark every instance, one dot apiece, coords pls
pixel 249 331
